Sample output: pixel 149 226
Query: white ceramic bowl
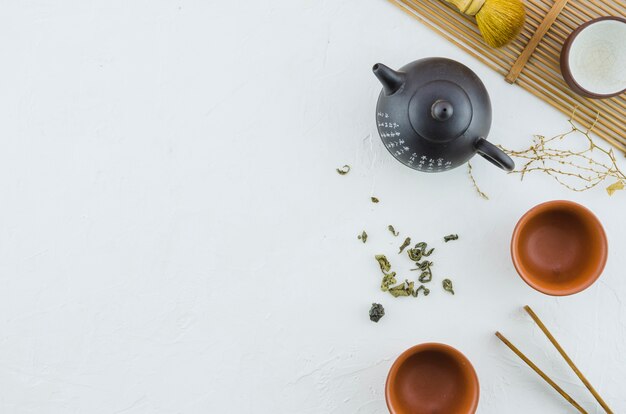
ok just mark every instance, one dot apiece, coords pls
pixel 593 58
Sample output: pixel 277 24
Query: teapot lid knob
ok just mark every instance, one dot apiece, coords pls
pixel 441 110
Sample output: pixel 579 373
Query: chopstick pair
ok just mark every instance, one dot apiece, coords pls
pixel 567 359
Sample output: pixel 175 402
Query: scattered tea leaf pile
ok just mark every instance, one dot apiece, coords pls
pixel 418 254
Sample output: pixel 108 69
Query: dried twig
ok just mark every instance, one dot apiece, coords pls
pixel 578 170
pixel 478 190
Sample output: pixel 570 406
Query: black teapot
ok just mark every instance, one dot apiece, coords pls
pixel 434 114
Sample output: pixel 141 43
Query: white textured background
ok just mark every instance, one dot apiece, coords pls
pixel 174 237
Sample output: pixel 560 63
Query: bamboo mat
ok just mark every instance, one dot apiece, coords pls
pixel 541 73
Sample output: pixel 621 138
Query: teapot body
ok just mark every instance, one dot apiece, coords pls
pixel 433 115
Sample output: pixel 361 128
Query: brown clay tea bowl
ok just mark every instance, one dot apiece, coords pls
pixel 432 378
pixel 559 248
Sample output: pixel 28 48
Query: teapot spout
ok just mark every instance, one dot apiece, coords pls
pixel 391 80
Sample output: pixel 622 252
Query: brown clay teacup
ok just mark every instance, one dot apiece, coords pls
pixel 432 378
pixel 559 248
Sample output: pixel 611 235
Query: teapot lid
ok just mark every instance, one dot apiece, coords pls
pixel 440 111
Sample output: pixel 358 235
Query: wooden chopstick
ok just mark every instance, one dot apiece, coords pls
pixel 541 373
pixel 567 359
pixel 543 28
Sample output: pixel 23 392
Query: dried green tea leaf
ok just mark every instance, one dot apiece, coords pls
pixel 423 265
pixel 375 200
pixel 618 185
pixel 403 289
pixel 398 291
pixel 447 285
pixel 343 170
pixel 376 312
pixel 410 287
pixel 385 266
pixel 388 280
pixel 392 230
pixel 450 237
pixel 405 244
pixel 415 254
pixel 426 276
pixel 422 288
pixel 418 251
pixel 362 236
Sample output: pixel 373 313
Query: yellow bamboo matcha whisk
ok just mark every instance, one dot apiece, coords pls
pixel 499 21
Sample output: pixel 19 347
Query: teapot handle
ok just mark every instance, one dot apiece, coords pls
pixel 494 154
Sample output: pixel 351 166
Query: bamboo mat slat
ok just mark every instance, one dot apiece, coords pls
pixel 540 74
